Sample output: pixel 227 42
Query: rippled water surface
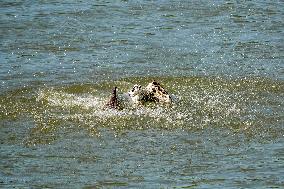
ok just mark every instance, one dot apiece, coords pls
pixel 222 62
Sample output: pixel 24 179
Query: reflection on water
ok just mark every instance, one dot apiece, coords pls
pixel 221 61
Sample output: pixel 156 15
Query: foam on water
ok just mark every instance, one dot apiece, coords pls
pixel 67 100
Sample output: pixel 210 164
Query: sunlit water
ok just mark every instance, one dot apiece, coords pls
pixel 222 62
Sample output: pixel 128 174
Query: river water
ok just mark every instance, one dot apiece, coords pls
pixel 222 61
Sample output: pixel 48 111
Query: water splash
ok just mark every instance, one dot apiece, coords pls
pixel 253 106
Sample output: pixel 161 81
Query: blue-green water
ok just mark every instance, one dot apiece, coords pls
pixel 222 61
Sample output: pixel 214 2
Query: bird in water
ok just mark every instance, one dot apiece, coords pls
pixel 113 102
pixel 153 92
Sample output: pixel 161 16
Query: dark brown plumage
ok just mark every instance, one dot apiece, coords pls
pixel 113 102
